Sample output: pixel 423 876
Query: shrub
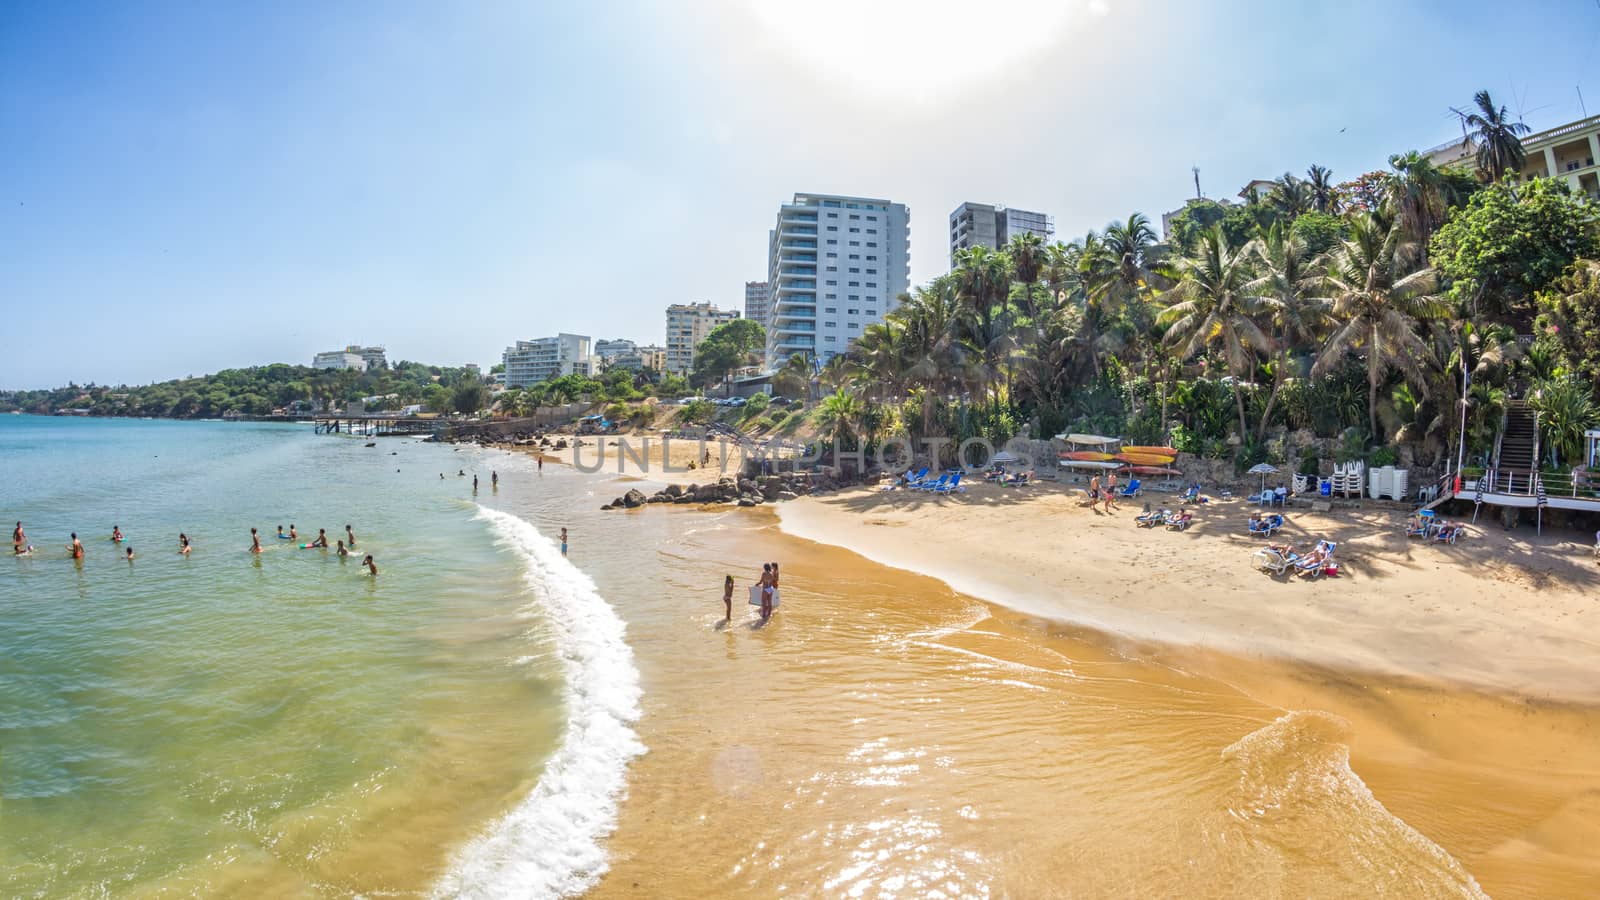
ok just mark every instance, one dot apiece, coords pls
pixel 777 419
pixel 1383 456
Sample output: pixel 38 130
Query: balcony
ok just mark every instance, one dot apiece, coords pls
pixel 809 271
pixel 789 230
pixel 796 342
pixel 797 284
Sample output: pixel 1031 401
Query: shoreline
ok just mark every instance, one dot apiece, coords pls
pixel 1497 614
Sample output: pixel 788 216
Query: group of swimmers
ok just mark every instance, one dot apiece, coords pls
pixel 768 585
pixel 21 547
pixel 321 543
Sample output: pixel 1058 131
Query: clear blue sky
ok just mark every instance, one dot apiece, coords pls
pixel 189 186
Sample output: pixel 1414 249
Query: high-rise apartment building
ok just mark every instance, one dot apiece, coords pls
pixel 541 359
pixel 835 265
pixel 756 298
pixel 985 225
pixel 687 325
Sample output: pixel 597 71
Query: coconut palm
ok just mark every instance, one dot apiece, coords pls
pixel 1496 137
pixel 1319 182
pixel 1380 299
pixel 793 378
pixel 1213 310
pixel 1289 283
pixel 1290 197
pixel 839 415
pixel 1418 195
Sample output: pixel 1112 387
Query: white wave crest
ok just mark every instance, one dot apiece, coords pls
pixel 550 844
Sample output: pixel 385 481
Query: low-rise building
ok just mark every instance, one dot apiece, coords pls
pixel 1568 151
pixel 987 225
pixel 546 358
pixel 339 359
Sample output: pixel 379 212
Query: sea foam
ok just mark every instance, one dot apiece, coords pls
pixel 550 844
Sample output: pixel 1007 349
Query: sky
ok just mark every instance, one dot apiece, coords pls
pixel 186 187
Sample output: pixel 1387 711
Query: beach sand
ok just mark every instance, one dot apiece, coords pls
pixel 1498 611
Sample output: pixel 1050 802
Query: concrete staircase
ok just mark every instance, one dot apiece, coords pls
pixel 1519 443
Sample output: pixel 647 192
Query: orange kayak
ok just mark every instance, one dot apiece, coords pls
pixel 1087 456
pixel 1157 451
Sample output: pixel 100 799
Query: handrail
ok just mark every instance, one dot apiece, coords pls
pixel 1536 440
pixel 1500 436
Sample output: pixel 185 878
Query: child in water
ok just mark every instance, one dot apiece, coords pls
pixel 727 597
pixel 130 554
pixel 372 567
pixel 116 534
pixel 342 550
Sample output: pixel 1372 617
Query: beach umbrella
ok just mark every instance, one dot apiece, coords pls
pixel 1005 457
pixel 1262 469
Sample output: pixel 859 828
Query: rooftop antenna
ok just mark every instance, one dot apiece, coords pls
pixel 1579 89
pixel 1197 194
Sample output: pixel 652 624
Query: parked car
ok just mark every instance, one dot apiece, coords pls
pixel 685 401
pixel 736 401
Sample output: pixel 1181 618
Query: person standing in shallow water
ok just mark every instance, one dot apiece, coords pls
pixel 494 479
pixel 76 547
pixel 563 542
pixel 350 536
pixel 183 544
pixel 372 567
pixel 474 483
pixel 766 591
pixel 255 541
pixel 18 539
pixel 727 598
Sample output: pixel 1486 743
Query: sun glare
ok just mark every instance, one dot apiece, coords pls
pixel 916 49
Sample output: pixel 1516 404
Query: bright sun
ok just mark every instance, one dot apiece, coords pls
pixel 916 49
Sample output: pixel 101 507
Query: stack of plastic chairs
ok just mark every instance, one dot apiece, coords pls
pixel 1301 482
pixel 1349 478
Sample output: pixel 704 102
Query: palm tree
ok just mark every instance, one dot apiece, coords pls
pixel 1380 299
pixel 793 378
pixel 983 286
pixel 1287 280
pixel 1290 197
pixel 1495 136
pixel 1319 181
pixel 1213 310
pixel 838 415
pixel 1418 195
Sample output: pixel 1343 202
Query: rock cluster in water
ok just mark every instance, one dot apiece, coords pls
pixel 728 489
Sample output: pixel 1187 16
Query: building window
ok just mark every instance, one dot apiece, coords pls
pixel 854 326
pixel 855 284
pixel 852 231
pixel 857 244
pixel 832 255
pixel 833 215
pixel 829 338
pixel 830 309
pixel 855 296
pixel 869 243
pixel 833 268
pixel 833 228
pixel 872 284
pixel 832 241
pixel 832 283
pixel 853 312
pixel 872 312
pixel 872 218
pixel 869 259
pixel 869 271
pixel 855 271
pixel 872 231
pixel 855 256
pixel 830 296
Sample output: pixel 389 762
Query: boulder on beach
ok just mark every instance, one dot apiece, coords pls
pixel 633 498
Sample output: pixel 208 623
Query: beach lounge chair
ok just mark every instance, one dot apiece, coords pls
pixel 1313 564
pixel 1447 533
pixel 1416 526
pixel 1180 520
pixel 1132 490
pixel 933 485
pixel 1192 495
pixel 1266 524
pixel 1275 559
pixel 951 486
pixel 1150 517
pixel 1020 479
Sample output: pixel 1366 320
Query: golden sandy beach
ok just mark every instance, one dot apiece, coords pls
pixel 1040 700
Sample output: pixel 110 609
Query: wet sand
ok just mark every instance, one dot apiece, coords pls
pixel 884 735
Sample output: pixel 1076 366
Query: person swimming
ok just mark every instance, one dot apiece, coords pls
pixel 462 473
pixel 372 567
pixel 342 551
pixel 183 544
pixel 350 536
pixel 255 541
pixel 321 542
pixel 116 534
pixel 130 554
pixel 281 535
pixel 76 547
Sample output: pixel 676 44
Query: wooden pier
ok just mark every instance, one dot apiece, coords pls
pixel 380 425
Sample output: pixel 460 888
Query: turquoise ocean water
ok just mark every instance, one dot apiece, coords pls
pixel 284 724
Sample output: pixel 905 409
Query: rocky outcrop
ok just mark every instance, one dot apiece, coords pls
pixel 745 492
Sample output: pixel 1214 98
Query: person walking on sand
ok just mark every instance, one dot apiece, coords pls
pixel 76 547
pixel 350 536
pixel 1094 490
pixel 183 544
pixel 1111 491
pixel 563 542
pixel 255 541
pixel 727 598
pixel 372 567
